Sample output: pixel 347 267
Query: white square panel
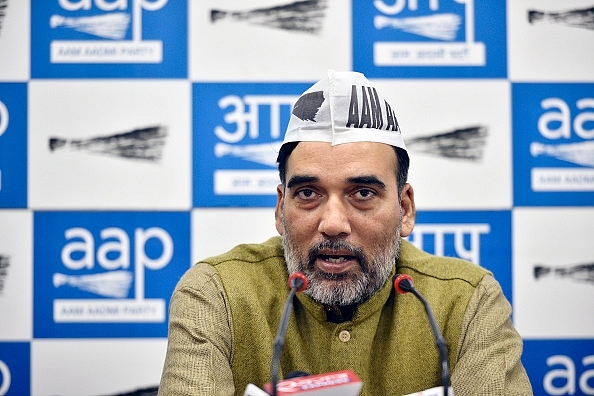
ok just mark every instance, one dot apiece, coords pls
pixel 215 231
pixel 553 272
pixel 244 40
pixel 14 41
pixel 109 144
pixel 550 40
pixel 16 275
pixel 95 367
pixel 458 135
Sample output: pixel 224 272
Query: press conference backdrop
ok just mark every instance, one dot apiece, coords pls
pixel 138 136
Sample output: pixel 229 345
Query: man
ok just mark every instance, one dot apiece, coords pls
pixel 343 207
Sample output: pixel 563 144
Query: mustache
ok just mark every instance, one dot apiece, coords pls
pixel 335 245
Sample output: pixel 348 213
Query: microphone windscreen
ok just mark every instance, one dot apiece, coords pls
pixel 297 280
pixel 403 283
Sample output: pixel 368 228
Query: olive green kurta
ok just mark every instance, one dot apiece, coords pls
pixel 225 312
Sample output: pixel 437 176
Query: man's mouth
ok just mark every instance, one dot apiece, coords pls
pixel 335 264
pixel 336 259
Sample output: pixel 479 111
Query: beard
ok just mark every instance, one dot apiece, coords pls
pixel 353 286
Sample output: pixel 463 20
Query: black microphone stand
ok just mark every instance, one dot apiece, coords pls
pixel 297 282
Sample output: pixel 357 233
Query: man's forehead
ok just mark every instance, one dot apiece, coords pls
pixel 380 152
pixel 348 160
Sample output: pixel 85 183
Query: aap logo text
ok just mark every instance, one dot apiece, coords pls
pixel 560 367
pixel 106 274
pixel 482 238
pixel 99 38
pixel 553 144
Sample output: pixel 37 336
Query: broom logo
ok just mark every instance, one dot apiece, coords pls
pixel 301 16
pixel 115 284
pixel 4 264
pixel 439 26
pixel 139 144
pixel 580 18
pixel 264 154
pixel 459 144
pixel 3 6
pixel 581 153
pixel 579 272
pixel 110 26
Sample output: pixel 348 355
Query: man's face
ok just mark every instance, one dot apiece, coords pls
pixel 341 218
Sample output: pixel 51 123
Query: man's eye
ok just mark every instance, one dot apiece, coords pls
pixel 364 193
pixel 305 193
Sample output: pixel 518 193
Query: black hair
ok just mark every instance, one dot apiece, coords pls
pixel 402 163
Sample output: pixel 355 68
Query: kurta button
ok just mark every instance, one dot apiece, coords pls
pixel 344 336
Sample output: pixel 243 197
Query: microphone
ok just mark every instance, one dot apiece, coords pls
pixel 297 283
pixel 403 284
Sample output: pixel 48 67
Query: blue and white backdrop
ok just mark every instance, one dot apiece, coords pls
pixel 138 136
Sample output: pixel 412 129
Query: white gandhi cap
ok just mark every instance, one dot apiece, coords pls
pixel 342 108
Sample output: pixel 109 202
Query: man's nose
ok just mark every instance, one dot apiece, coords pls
pixel 335 220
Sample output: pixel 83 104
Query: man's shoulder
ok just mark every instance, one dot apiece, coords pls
pixel 252 264
pixel 244 263
pixel 439 268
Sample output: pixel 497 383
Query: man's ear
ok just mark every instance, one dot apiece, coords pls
pixel 409 211
pixel 278 211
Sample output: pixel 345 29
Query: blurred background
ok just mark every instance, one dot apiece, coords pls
pixel 139 136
